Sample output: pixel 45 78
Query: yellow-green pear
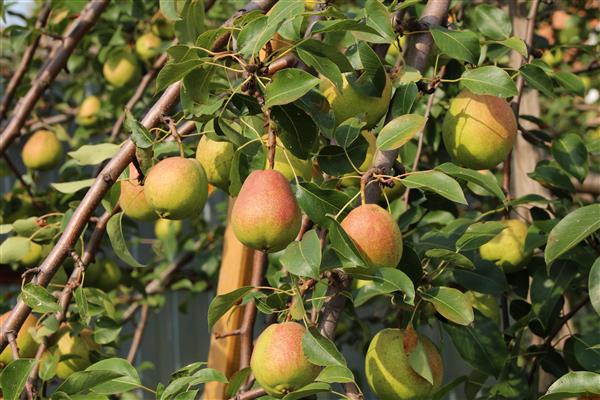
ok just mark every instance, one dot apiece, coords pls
pixel 162 227
pixel 120 68
pixel 388 369
pixel 27 346
pixel 479 130
pixel 103 274
pixel 350 101
pixel 507 249
pixel 78 348
pixel 216 158
pixel 148 46
pixel 278 362
pixel 132 199
pixel 486 304
pixel 33 256
pixel 42 151
pixel 88 111
pixel 265 215
pixel 177 188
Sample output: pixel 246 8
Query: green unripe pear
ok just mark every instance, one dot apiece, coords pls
pixel 375 234
pixel 88 111
pixel 278 362
pixel 42 151
pixel 216 159
pixel 265 215
pixel 507 249
pixel 388 369
pixel 27 346
pixel 486 304
pixel 479 130
pixel 133 200
pixel 104 275
pixel 163 227
pixel 177 188
pixel 77 346
pixel 351 102
pixel 148 46
pixel 350 178
pixel 120 68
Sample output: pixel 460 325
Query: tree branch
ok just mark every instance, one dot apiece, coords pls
pixel 249 395
pixel 139 333
pixel 17 174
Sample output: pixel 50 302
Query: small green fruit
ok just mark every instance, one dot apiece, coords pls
pixel 78 347
pixel 43 151
pixel 388 369
pixel 120 68
pixel 163 227
pixel 177 188
pixel 27 346
pixel 88 111
pixel 265 215
pixel 507 249
pixel 278 362
pixel 375 234
pixel 148 46
pixel 216 159
pixel 104 275
pixel 479 131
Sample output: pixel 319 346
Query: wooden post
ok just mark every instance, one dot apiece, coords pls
pixel 235 272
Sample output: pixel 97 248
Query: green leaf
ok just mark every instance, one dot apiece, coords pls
pixel 39 299
pixel 385 280
pixel 223 302
pixel 418 361
pixel 479 234
pixel 343 245
pixel 93 154
pixel 404 99
pixel 594 285
pixel 316 202
pixel 114 230
pixel 571 230
pixel 81 381
pixel 451 257
pixel 547 288
pixel 572 384
pixel 288 85
pixel 436 182
pixel 347 132
pixel 335 374
pixel 461 45
pixel 320 350
pixel 191 24
pixel 308 390
pixel 549 174
pixel 303 258
pixel 107 330
pixel 485 278
pixel 337 161
pixel 13 249
pixel 379 19
pixel 487 182
pixel 570 82
pixel 492 22
pixel 338 25
pixel 399 131
pixel 570 153
pixel 296 129
pixel 169 10
pixel 129 379
pixel 174 71
pixel 142 138
pixel 537 79
pixel 451 303
pixel 14 376
pixel 515 43
pixel 489 80
pixel 237 380
pixel 323 65
pixel 73 187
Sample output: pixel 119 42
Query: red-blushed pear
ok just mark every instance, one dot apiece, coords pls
pixel 132 199
pixel 42 151
pixel 176 188
pixel 388 369
pixel 162 227
pixel 87 114
pixel 148 46
pixel 507 249
pixel 27 346
pixel 216 158
pixel 120 68
pixel 278 362
pixel 375 234
pixel 479 130
pixel 265 215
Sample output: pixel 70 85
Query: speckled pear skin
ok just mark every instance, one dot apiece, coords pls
pixel 375 234
pixel 42 151
pixel 479 130
pixel 148 46
pixel 507 249
pixel 388 370
pixel 121 68
pixel 216 159
pixel 27 346
pixel 176 188
pixel 133 200
pixel 265 215
pixel 278 362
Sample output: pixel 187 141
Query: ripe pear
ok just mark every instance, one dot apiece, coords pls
pixel 120 68
pixel 479 130
pixel 265 215
pixel 278 362
pixel 388 370
pixel 375 234
pixel 486 304
pixel 351 102
pixel 88 111
pixel 177 188
pixel 133 200
pixel 42 151
pixel 216 159
pixel 103 274
pixel 148 46
pixel 27 346
pixel 507 249
pixel 77 346
pixel 162 227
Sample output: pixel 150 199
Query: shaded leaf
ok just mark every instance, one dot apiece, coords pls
pixel 114 230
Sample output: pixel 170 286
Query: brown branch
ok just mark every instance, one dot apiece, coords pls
pixel 139 333
pixel 35 124
pixel 12 340
pixel 56 62
pixel 249 395
pixel 17 174
pixel 566 319
pixel 19 73
pixel 158 285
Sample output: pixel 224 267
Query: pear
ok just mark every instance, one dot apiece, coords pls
pixel 278 361
pixel 375 234
pixel 34 255
pixel 301 168
pixel 27 346
pixel 216 159
pixel 42 151
pixel 103 274
pixel 350 179
pixel 78 348
pixel 479 130
pixel 177 188
pixel 266 215
pixel 148 46
pixel 120 68
pixel 388 370
pixel 352 101
pixel 162 227
pixel 507 249
pixel 132 199
pixel 88 111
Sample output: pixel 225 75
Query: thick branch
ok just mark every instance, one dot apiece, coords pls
pixel 56 62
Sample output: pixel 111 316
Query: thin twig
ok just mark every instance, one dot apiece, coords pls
pixel 18 175
pixel 138 334
pixel 249 395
